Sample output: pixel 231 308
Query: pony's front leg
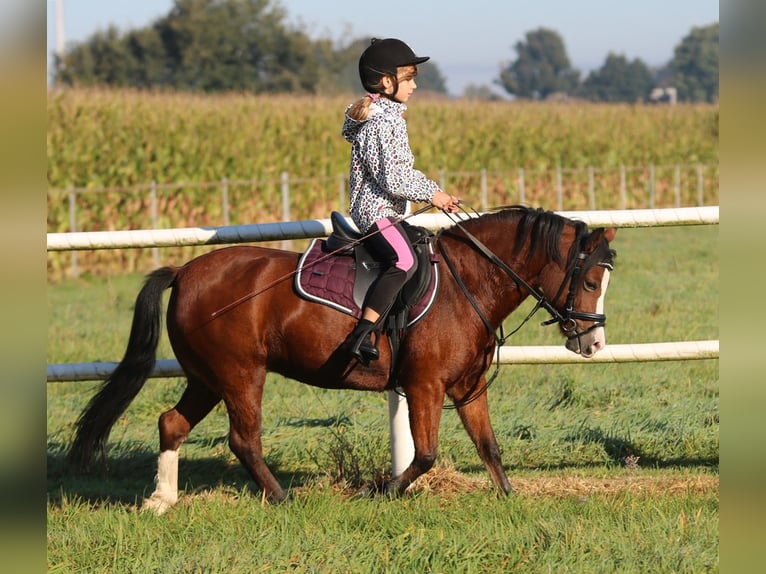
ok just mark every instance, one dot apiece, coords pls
pixel 475 418
pixel 165 493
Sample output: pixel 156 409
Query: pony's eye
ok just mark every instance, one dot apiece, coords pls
pixel 590 286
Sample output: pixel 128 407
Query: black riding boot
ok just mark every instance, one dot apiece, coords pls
pixel 362 346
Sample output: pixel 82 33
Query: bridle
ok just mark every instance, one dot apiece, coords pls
pixel 567 318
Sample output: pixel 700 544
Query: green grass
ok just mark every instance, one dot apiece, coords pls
pixel 318 532
pixel 616 466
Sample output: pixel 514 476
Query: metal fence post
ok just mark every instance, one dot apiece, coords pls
pixel 623 189
pixel 651 186
pixel 678 185
pixel 153 200
pixel 591 188
pixel 225 200
pixel 700 180
pixel 286 243
pixel 73 227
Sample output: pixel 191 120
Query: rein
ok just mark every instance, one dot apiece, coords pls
pixel 567 320
pixel 541 300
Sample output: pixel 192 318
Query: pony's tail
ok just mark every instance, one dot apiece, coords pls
pixel 119 390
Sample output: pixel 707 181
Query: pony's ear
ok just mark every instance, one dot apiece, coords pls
pixel 602 233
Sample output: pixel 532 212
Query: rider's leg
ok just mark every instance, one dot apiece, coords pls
pixel 389 244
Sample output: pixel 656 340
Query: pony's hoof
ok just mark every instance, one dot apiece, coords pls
pixel 388 490
pixel 367 491
pixel 392 490
pixel 157 505
pixel 278 497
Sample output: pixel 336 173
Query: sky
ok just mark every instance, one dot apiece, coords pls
pixel 469 40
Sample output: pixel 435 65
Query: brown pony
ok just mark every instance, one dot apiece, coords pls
pixel 488 266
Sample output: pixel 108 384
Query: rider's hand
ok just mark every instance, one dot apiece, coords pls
pixel 448 203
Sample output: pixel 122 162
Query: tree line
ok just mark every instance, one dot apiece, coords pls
pixel 248 45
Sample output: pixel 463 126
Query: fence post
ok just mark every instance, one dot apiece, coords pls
pixel 286 243
pixel 225 200
pixel 678 185
pixel 342 193
pixel 559 189
pixel 483 183
pixel 73 228
pixel 153 200
pixel 623 189
pixel 591 188
pixel 402 445
pixel 522 193
pixel 651 186
pixel 700 194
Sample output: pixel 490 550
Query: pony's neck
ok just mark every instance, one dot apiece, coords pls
pixel 534 244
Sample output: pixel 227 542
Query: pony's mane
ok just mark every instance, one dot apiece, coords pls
pixel 543 229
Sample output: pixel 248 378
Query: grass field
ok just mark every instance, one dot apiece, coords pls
pixel 616 466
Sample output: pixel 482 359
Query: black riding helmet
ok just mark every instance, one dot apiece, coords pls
pixel 383 57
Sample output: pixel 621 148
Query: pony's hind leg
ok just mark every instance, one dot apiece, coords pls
pixel 175 425
pixel 475 418
pixel 245 420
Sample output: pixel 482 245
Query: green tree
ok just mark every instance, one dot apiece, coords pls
pixel 104 60
pixel 331 68
pixel 695 65
pixel 618 80
pixel 430 78
pixel 222 45
pixel 480 92
pixel 215 45
pixel 541 68
pixel 201 45
pixel 341 73
pixel 148 62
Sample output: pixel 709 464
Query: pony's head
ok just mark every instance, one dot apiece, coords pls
pixel 579 299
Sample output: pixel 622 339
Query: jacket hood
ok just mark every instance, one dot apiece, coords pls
pixel 351 126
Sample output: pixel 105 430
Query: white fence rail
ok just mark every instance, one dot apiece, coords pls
pixel 312 228
pixel 682 351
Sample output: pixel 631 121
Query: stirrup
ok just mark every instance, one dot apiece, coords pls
pixel 363 348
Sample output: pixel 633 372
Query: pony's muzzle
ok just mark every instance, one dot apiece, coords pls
pixel 589 342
